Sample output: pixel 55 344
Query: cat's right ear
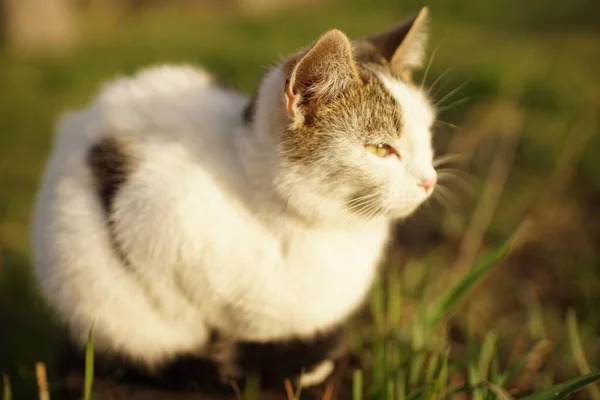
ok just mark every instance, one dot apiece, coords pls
pixel 320 73
pixel 404 45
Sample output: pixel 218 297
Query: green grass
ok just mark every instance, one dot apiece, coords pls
pixel 531 72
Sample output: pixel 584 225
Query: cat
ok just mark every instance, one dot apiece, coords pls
pixel 176 215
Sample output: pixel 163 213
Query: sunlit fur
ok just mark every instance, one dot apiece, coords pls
pixel 224 224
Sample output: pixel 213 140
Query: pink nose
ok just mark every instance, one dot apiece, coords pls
pixel 428 183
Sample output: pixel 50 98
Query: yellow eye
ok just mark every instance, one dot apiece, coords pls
pixel 380 150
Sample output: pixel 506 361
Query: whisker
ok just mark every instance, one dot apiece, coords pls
pixel 363 209
pixel 460 181
pixel 446 123
pixel 366 196
pixel 439 78
pixel 449 157
pixel 441 199
pixel 452 92
pixel 453 104
pixel 458 173
pixel 454 171
pixel 447 193
pixel 433 54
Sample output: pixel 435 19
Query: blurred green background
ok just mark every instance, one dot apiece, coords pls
pixel 518 86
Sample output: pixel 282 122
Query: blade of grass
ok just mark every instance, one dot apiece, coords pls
pixel 416 395
pixel 6 389
pixel 441 381
pixel 252 388
pixel 578 354
pixel 328 395
pixel 512 371
pixel 378 372
pixel 42 381
pixel 89 367
pixel 536 322
pixel 500 393
pixel 475 383
pixel 447 303
pixel 357 385
pixel 401 387
pixel 389 389
pixel 289 389
pixel 486 355
pixel 298 389
pixel 431 368
pixel 378 307
pixel 562 390
pixel 416 369
pixel 236 390
pixel 394 301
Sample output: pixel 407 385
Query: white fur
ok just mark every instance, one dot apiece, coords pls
pixel 318 374
pixel 414 145
pixel 208 239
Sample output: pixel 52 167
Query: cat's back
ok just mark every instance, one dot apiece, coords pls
pixel 169 102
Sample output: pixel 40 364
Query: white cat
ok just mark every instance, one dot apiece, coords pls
pixel 172 208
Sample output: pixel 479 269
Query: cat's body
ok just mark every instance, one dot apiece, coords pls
pixel 173 210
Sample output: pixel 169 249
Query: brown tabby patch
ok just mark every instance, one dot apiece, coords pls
pixel 365 111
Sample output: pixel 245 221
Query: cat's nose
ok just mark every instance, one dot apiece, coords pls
pixel 428 183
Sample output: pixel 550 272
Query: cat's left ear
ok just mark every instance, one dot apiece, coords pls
pixel 322 72
pixel 404 46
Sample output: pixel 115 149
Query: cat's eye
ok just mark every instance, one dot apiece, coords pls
pixel 381 149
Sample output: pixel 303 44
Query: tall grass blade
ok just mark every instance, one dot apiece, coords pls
pixel 431 368
pixel 562 390
pixel 42 381
pixel 416 370
pixel 442 379
pixel 578 353
pixel 6 390
pixel 475 382
pixel 298 391
pixel 401 387
pixel 512 371
pixel 447 303
pixel 89 367
pixel 289 389
pixel 252 389
pixel 500 393
pixel 486 355
pixel 357 385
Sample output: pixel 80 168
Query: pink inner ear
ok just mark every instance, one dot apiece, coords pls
pixel 290 98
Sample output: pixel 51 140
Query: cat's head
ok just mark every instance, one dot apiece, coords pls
pixel 352 129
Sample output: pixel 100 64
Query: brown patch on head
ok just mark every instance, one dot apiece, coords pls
pixel 332 89
pixel 366 54
pixel 110 164
pixel 364 112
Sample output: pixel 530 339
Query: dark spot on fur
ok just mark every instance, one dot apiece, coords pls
pixel 249 112
pixel 110 166
pixel 275 361
pixel 365 53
